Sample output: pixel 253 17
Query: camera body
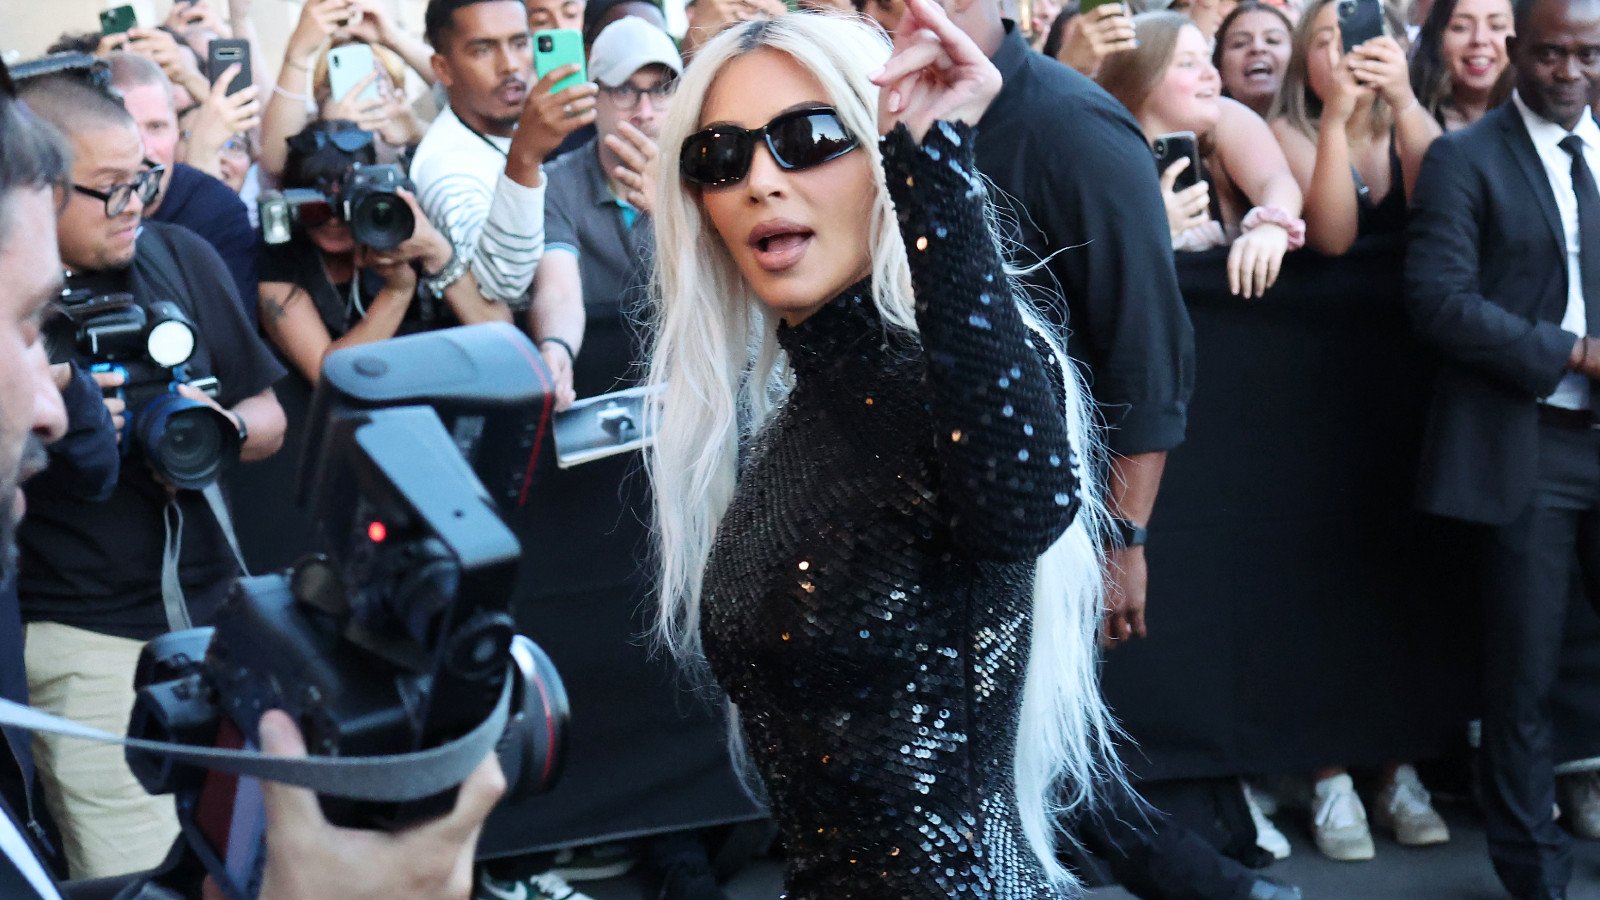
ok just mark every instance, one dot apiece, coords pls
pixel 188 443
pixel 397 637
pixel 365 197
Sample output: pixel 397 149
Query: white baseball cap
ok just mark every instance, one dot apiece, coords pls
pixel 628 45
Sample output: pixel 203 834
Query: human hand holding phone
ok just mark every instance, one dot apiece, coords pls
pixel 1380 64
pixel 1096 34
pixel 162 49
pixel 1188 207
pixel 550 115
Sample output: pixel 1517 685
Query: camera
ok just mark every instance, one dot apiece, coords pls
pixel 188 443
pixel 397 635
pixel 546 44
pixel 366 197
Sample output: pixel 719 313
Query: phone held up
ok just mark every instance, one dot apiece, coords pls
pixel 1169 148
pixel 117 20
pixel 224 52
pixel 1359 21
pixel 347 65
pixel 557 47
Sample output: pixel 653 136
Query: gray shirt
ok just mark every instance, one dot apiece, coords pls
pixel 614 244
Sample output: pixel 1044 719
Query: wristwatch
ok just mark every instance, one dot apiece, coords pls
pixel 1123 534
pixel 440 282
pixel 244 430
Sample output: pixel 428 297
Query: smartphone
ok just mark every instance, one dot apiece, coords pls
pixel 117 20
pixel 224 52
pixel 557 47
pixel 1169 148
pixel 1359 21
pixel 349 64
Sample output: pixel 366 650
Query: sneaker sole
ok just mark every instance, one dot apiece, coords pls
pixel 596 872
pixel 1353 851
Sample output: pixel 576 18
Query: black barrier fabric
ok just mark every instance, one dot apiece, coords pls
pixel 644 754
pixel 1294 620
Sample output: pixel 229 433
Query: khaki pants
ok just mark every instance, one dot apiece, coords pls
pixel 109 825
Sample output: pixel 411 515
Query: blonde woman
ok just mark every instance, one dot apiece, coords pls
pixel 1352 129
pixel 876 531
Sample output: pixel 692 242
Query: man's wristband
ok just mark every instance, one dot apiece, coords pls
pixel 572 355
pixel 1122 534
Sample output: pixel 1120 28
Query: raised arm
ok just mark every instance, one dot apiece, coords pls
pixel 1000 429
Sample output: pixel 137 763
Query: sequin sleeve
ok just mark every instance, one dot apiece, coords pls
pixel 999 426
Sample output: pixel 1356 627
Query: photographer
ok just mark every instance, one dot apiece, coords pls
pixel 322 291
pixel 97 580
pixel 307 858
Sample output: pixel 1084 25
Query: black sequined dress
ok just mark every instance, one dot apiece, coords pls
pixel 868 597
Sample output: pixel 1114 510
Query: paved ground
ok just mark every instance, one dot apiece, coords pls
pixel 1457 871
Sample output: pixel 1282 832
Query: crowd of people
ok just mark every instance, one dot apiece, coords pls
pixel 541 198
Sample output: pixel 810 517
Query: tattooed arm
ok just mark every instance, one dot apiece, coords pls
pixel 290 319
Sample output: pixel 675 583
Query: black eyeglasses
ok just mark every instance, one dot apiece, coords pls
pixel 146 184
pixel 721 155
pixel 350 140
pixel 627 96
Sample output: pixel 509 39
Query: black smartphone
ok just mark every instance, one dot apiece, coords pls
pixel 1359 21
pixel 1169 148
pixel 224 52
pixel 117 20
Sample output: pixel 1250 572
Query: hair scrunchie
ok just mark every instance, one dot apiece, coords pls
pixel 1277 215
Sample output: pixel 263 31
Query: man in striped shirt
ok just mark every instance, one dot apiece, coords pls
pixel 477 169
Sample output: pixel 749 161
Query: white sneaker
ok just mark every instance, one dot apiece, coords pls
pixel 547 886
pixel 1268 837
pixel 1580 799
pixel 1405 808
pixel 1340 821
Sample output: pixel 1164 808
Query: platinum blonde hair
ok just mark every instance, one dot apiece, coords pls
pixel 717 361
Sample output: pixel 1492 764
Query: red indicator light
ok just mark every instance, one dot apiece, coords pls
pixel 377 532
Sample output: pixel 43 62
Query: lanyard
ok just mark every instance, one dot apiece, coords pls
pixel 483 137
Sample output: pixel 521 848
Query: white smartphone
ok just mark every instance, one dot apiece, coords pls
pixel 347 65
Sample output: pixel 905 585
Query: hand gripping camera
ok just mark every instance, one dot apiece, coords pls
pixel 367 198
pixel 398 637
pixel 188 443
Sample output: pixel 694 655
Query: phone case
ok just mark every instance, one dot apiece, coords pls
pixel 557 47
pixel 117 20
pixel 348 65
pixel 1359 21
pixel 1169 148
pixel 224 52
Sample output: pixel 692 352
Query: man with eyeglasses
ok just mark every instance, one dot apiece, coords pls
pixel 95 579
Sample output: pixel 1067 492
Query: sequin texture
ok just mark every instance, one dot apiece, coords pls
pixel 867 600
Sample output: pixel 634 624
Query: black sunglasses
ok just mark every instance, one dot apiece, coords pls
pixel 349 140
pixel 721 155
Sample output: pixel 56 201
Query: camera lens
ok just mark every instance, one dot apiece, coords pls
pixel 382 221
pixel 546 44
pixel 187 442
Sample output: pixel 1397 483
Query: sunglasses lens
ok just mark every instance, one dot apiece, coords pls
pixel 716 156
pixel 350 141
pixel 809 140
pixel 314 214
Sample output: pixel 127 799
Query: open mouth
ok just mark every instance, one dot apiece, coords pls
pixel 1478 65
pixel 779 245
pixel 1262 69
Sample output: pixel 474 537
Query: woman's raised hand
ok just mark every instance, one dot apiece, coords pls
pixel 936 72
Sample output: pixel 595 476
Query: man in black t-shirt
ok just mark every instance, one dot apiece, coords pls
pixel 91 579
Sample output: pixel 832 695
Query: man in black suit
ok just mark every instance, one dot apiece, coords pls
pixel 1503 279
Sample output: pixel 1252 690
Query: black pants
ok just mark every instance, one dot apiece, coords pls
pixel 1155 857
pixel 1528 566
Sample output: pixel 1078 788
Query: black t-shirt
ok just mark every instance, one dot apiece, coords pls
pixel 211 209
pixel 1079 182
pixel 299 262
pixel 97 565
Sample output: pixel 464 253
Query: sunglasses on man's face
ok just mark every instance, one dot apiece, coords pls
pixel 721 155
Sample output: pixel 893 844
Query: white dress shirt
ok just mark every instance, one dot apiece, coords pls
pixel 1573 391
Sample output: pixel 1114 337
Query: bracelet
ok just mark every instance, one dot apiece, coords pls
pixel 441 281
pixel 572 357
pixel 1277 215
pixel 277 89
pixel 291 64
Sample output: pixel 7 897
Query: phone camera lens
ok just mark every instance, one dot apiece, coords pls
pixel 546 44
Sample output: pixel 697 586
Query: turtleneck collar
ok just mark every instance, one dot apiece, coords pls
pixel 846 329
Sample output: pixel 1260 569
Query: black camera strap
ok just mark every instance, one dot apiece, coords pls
pixel 172 598
pixel 397 777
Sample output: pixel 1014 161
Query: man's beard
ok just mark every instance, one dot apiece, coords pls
pixel 32 462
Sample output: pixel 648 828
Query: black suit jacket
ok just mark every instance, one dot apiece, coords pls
pixel 1486 285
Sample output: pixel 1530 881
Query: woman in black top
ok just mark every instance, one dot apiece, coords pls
pixel 899 586
pixel 322 291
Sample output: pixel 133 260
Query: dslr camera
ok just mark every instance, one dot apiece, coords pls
pixel 188 443
pixel 366 197
pixel 397 636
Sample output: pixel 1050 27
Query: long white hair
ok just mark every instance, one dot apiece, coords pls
pixel 717 361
